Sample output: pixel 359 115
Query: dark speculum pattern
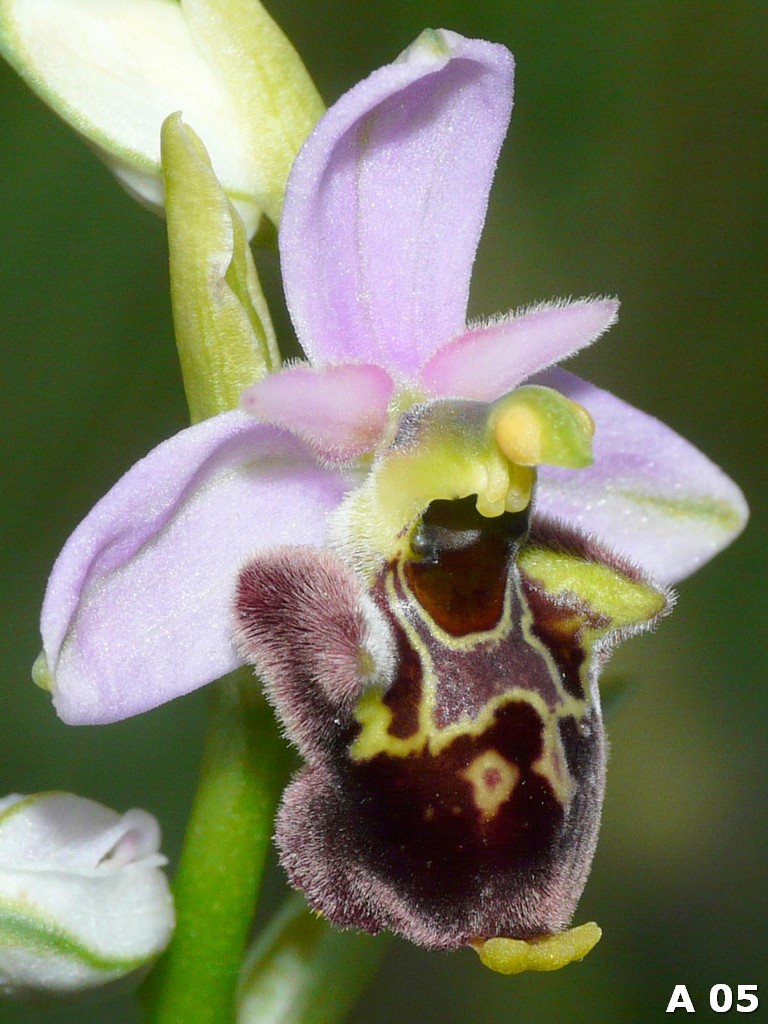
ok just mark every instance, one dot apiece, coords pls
pixel 465 807
pixel 449 720
pixel 460 566
pixel 444 821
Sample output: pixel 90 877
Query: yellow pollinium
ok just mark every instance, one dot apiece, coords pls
pixel 536 426
pixel 505 487
pixel 514 956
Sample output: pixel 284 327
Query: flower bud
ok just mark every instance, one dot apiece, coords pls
pixel 300 970
pixel 115 69
pixel 83 901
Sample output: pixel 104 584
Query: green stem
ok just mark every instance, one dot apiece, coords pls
pixel 243 771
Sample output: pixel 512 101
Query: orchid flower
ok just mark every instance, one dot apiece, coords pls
pixel 414 537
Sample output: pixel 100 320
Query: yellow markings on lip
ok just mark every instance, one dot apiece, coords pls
pixel 375 717
pixel 489 793
pixel 552 765
pixel 374 738
pixel 622 601
pixel 514 956
pixel 568 704
pixel 493 779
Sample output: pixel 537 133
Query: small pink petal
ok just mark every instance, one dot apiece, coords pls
pixel 649 495
pixel 139 604
pixel 340 411
pixel 491 360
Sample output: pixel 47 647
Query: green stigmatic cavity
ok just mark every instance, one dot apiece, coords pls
pixel 454 448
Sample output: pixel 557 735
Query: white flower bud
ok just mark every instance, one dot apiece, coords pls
pixel 115 69
pixel 83 901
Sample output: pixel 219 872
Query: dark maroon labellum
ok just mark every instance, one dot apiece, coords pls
pixel 452 733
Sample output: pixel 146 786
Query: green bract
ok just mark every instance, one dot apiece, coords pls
pixel 223 329
pixel 115 69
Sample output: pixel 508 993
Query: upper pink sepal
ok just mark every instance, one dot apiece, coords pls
pixel 490 360
pixel 386 201
pixel 138 606
pixel 340 411
pixel 650 494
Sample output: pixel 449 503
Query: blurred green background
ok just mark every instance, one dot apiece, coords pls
pixel 635 166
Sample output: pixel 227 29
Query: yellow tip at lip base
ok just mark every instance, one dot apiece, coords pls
pixel 514 956
pixel 41 674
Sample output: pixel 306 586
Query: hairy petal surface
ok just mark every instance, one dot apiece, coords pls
pixel 650 495
pixel 138 604
pixel 315 638
pixel 341 411
pixel 492 359
pixel 386 202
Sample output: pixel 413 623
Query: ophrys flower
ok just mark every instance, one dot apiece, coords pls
pixel 434 571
